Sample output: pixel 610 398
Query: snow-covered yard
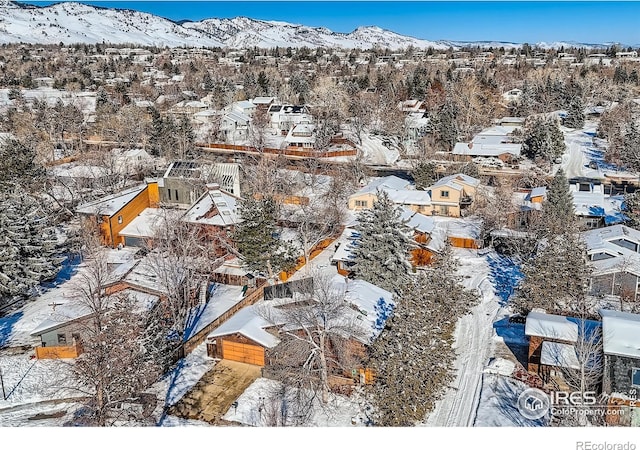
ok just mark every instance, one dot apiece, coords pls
pixel 499 403
pixel 259 406
pixel 374 151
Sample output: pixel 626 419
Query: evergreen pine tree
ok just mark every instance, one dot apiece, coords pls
pixel 559 212
pixel 575 114
pixel 382 253
pixel 631 208
pixel 257 238
pixel 556 277
pixel 156 132
pixel 17 165
pixel 28 253
pixel 424 174
pixel 543 139
pixel 412 357
pixel 630 156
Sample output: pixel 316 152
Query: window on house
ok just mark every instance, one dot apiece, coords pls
pixel 177 199
pixel 62 339
pixel 635 377
pixel 362 203
pixel 444 194
pixel 119 219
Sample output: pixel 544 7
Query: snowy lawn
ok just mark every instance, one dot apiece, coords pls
pixel 375 152
pixel 223 298
pixel 498 403
pixel 29 380
pixel 258 407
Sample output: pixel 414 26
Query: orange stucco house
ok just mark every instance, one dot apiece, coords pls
pixel 114 212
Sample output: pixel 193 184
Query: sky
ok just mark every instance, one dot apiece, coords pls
pixel 507 21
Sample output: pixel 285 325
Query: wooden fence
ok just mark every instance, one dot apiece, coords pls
pixel 311 153
pixel 252 297
pixel 315 251
pixel 58 352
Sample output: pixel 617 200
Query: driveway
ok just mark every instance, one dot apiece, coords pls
pixel 216 391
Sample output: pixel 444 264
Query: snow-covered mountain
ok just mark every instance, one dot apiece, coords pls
pixel 242 32
pixel 72 23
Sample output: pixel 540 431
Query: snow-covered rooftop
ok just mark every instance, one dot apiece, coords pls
pixel 621 333
pixel 62 314
pixel 366 297
pixel 111 204
pixel 387 183
pixel 417 221
pixel 551 326
pixel 614 245
pixel 145 224
pixel 559 355
pixel 458 178
pixel 250 323
pixel 223 297
pixel 75 309
pixel 409 197
pixel 480 149
pixel 214 207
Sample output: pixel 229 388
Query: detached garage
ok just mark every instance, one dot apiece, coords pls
pixel 243 338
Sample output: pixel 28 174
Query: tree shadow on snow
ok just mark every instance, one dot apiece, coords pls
pixel 6 327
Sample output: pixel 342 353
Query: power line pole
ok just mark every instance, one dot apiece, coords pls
pixel 4 396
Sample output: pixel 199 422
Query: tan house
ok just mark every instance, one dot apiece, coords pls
pixel 401 192
pixel 451 194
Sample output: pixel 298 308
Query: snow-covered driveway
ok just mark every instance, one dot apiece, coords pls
pixel 474 346
pixel 579 146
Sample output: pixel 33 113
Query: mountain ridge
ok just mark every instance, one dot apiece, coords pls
pixel 74 22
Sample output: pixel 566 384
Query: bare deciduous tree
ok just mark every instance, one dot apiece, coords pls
pixel 320 337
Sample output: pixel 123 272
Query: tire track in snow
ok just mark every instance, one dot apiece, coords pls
pixel 473 345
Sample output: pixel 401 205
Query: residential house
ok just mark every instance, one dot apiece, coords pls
pixel 412 106
pixel 621 377
pixel 244 107
pixel 621 346
pixel 592 206
pixel 252 332
pixel 82 176
pixel 416 125
pixel 614 257
pixel 185 181
pixel 511 121
pixel 400 191
pixel 263 103
pixel 132 161
pixel 62 334
pixel 451 194
pixel 214 215
pixel 301 137
pixel 187 108
pixel 283 118
pixel 487 147
pixel 114 212
pixel 234 127
pixel 537 195
pixel 552 345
